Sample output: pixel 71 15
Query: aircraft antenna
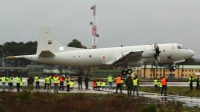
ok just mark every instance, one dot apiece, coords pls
pixel 94 28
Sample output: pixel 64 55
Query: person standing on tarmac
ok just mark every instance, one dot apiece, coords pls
pixel 110 82
pixel 122 85
pixel 86 79
pixel 10 83
pixel 37 81
pixel 3 80
pixel 119 83
pixel 18 80
pixel 164 86
pixel 155 84
pixel 197 83
pixel 191 80
pixel 56 82
pixel 61 78
pixel 129 85
pixel 68 83
pixel 30 81
pixel 45 82
pixel 135 85
pixel 48 81
pixel 79 80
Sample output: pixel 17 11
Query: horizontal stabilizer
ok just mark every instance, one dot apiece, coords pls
pixel 46 54
pixel 10 57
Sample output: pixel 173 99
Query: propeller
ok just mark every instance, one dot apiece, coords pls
pixel 157 52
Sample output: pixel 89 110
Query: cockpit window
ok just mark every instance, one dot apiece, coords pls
pixel 180 47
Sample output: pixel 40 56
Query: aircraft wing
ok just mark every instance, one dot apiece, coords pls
pixel 129 57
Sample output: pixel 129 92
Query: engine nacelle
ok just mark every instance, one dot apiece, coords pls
pixel 148 53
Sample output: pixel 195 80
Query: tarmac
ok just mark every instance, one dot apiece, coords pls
pixel 187 101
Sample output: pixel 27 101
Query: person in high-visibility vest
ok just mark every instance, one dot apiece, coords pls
pixel 191 80
pixel 10 82
pixel 164 86
pixel 98 84
pixel 56 82
pixel 68 83
pixel 155 83
pixel 3 80
pixel 37 81
pixel 18 80
pixel 21 84
pixel 48 82
pixel 135 85
pixel 122 85
pixel 62 79
pixel 160 86
pixel 94 84
pixel 119 83
pixel 110 82
pixel 45 82
pixel 103 85
pixel 71 85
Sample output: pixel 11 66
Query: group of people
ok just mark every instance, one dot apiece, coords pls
pixel 191 82
pixel 19 83
pixel 57 81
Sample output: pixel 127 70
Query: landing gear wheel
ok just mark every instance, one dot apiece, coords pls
pixel 129 71
pixel 124 72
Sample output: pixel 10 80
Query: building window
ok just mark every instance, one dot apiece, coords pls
pixel 150 75
pixel 189 70
pixel 192 70
pixel 166 75
pixel 186 70
pixel 183 75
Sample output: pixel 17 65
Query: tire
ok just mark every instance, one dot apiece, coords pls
pixel 129 71
pixel 124 72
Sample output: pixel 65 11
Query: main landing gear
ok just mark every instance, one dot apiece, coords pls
pixel 125 72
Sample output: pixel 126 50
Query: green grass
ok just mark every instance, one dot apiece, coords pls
pixel 27 101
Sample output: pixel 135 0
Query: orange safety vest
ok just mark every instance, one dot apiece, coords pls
pixel 164 81
pixel 61 79
pixel 118 80
pixel 94 84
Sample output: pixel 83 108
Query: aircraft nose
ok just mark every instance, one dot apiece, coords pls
pixel 191 53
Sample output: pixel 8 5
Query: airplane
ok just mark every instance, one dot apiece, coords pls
pixel 50 51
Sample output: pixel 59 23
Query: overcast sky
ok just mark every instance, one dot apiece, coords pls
pixel 119 22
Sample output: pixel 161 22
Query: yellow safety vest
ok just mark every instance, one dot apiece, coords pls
pixel 135 82
pixel 110 79
pixel 3 79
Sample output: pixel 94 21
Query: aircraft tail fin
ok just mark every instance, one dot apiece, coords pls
pixel 48 43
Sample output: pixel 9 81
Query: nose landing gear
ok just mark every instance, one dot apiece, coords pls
pixel 125 72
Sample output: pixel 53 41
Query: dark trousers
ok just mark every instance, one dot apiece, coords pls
pixel 18 87
pixel 68 88
pixel 129 91
pixel 61 86
pixel 191 86
pixel 197 87
pixel 86 84
pixel 119 87
pixel 80 86
pixel 156 87
pixel 164 88
pixel 37 85
pixel 45 85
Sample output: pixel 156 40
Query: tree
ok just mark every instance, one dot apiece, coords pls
pixel 76 43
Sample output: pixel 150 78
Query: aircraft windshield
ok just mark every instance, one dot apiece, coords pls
pixel 180 47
